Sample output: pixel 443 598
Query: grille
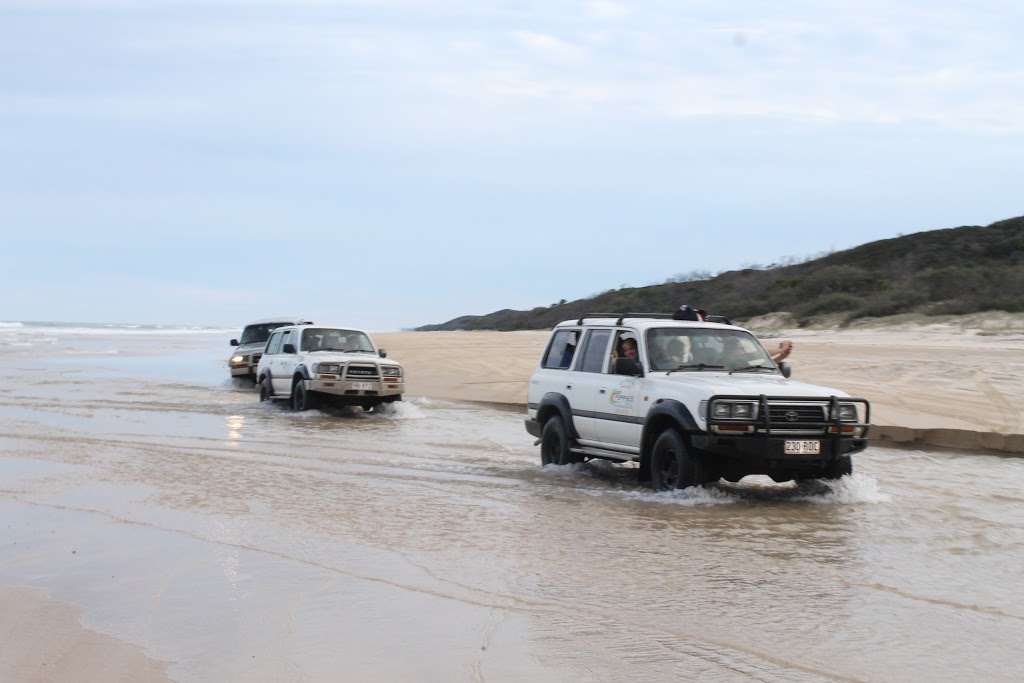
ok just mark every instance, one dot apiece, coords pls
pixel 256 358
pixel 795 416
pixel 361 371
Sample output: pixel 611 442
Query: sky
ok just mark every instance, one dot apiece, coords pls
pixel 386 164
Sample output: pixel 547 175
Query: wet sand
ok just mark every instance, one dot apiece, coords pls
pixel 71 456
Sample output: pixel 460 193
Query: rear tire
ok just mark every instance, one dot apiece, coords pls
pixel 840 466
pixel 302 398
pixel 673 467
pixel 554 444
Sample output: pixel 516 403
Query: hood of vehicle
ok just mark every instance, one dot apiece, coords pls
pixel 249 348
pixel 341 357
pixel 748 384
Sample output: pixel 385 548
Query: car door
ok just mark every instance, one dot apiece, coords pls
pixel 284 363
pixel 622 402
pixel 266 364
pixel 588 383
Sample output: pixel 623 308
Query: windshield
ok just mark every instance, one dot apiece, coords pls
pixel 694 350
pixel 259 333
pixel 334 339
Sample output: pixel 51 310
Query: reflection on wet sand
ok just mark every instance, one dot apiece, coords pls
pixel 240 541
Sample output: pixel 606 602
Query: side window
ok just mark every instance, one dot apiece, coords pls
pixel 274 344
pixel 595 346
pixel 288 338
pixel 561 349
pixel 625 347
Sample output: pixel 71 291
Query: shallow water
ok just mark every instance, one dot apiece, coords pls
pixel 244 542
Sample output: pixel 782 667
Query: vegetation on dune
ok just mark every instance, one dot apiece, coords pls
pixel 953 271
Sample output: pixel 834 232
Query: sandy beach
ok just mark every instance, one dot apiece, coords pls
pixel 203 468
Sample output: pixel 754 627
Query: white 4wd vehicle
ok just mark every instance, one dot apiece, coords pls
pixel 248 350
pixel 310 365
pixel 702 401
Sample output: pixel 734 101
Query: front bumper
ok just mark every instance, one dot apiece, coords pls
pixel 755 447
pixel 243 370
pixel 759 445
pixel 358 388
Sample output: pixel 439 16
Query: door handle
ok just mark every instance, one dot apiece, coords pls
pixel 601 391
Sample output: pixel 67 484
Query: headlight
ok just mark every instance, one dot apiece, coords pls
pixel 237 360
pixel 327 368
pixel 392 371
pixel 743 410
pixel 735 411
pixel 848 412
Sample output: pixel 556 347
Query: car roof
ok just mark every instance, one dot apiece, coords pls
pixel 304 325
pixel 289 319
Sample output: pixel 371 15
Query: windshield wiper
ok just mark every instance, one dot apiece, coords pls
pixel 750 368
pixel 696 366
pixel 315 350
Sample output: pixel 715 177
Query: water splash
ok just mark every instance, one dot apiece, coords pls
pixel 851 489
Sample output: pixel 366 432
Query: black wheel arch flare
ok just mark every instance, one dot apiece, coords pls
pixel 554 403
pixel 665 413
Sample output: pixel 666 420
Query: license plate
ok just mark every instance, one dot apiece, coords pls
pixel 362 385
pixel 803 447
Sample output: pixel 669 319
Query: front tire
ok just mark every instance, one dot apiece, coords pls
pixel 266 393
pixel 554 444
pixel 673 466
pixel 302 398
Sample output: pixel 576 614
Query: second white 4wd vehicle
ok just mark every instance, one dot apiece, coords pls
pixel 311 365
pixel 694 403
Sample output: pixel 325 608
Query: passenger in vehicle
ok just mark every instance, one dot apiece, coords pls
pixel 667 353
pixel 625 348
pixel 733 354
pixel 677 351
pixel 628 349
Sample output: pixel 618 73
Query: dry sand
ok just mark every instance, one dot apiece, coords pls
pixel 936 385
pixel 43 641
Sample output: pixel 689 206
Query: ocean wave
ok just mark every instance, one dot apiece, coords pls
pixel 100 329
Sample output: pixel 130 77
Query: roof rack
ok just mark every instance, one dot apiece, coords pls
pixel 622 316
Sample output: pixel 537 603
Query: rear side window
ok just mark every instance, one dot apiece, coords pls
pixel 561 350
pixel 274 343
pixel 595 348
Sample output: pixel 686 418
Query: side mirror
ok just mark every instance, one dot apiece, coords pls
pixel 234 342
pixel 628 366
pixel 382 353
pixel 289 348
pixel 785 369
